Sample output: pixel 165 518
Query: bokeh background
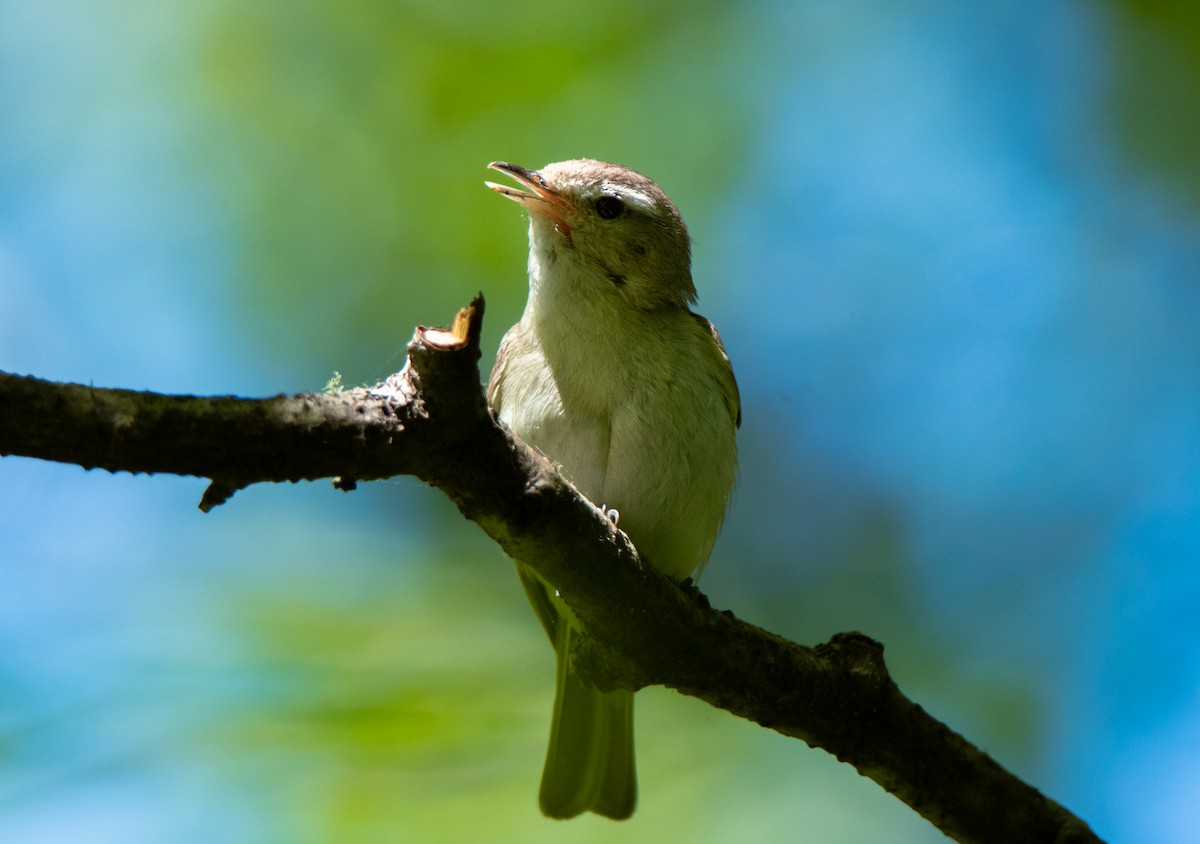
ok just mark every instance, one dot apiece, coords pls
pixel 954 252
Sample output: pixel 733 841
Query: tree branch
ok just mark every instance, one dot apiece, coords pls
pixel 430 420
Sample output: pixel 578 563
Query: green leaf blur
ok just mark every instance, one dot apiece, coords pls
pixel 355 138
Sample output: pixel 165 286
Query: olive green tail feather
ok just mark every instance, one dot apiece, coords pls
pixel 590 762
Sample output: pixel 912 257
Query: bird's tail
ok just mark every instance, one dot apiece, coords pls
pixel 589 765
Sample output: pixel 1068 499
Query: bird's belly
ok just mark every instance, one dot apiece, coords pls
pixel 578 448
pixel 669 502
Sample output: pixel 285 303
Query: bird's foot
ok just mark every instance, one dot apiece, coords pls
pixel 612 515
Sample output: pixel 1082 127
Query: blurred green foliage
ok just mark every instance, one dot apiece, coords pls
pixel 1155 89
pixel 420 714
pixel 368 126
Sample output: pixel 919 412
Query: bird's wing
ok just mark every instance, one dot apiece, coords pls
pixel 494 392
pixel 728 383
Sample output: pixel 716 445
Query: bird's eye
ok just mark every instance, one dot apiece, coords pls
pixel 609 207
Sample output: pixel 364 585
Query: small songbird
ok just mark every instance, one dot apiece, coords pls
pixel 614 379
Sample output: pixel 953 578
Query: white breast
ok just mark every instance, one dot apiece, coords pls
pixel 649 436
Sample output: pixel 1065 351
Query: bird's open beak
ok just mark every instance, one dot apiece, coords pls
pixel 541 198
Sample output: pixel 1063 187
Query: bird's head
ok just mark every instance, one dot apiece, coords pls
pixel 608 224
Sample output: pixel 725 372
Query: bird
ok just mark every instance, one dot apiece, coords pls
pixel 632 397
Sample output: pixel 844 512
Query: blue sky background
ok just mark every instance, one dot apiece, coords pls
pixel 953 252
